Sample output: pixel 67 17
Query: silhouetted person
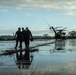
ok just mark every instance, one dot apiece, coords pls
pixel 27 35
pixel 18 36
pixel 23 34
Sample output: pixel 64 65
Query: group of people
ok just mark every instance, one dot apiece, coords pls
pixel 23 35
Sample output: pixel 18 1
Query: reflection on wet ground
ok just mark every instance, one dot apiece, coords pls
pixel 23 60
pixel 58 57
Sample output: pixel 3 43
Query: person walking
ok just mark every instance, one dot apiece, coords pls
pixel 23 34
pixel 27 35
pixel 18 36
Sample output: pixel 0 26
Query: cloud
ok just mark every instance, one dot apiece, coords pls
pixel 3 10
pixel 71 13
pixel 67 5
pixel 45 4
pixel 70 7
pixel 27 14
pixel 48 4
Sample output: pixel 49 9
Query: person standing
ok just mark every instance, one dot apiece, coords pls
pixel 23 34
pixel 27 35
pixel 18 36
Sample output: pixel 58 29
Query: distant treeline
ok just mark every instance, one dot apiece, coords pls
pixel 7 37
pixel 10 37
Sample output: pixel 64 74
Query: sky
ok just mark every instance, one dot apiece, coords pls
pixel 38 15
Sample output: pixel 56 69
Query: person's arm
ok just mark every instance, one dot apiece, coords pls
pixel 15 35
pixel 31 37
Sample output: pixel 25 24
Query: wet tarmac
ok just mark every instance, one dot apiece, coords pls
pixel 58 58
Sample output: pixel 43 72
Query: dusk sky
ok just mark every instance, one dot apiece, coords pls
pixel 35 14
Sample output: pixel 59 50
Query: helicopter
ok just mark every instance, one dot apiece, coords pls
pixel 59 33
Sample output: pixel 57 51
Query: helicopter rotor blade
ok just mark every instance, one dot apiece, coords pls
pixel 49 26
pixel 59 27
pixel 64 28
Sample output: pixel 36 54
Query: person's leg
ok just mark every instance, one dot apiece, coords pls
pixel 27 43
pixel 16 44
pixel 21 44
